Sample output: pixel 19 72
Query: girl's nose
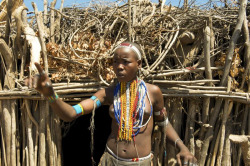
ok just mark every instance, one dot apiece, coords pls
pixel 120 66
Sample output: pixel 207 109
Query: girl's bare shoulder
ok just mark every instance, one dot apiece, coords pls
pixel 155 96
pixel 153 89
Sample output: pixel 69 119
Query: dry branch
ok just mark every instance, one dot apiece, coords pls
pixel 52 21
pixel 182 71
pixel 41 37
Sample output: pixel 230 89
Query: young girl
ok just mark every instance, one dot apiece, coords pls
pixel 134 107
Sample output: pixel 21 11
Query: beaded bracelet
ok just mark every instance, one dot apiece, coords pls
pixel 52 98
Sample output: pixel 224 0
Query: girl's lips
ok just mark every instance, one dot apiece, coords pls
pixel 120 74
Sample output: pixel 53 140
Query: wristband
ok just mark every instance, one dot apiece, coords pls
pixel 157 113
pixel 178 139
pixel 97 101
pixel 79 109
pixel 161 112
pixel 163 123
pixel 52 98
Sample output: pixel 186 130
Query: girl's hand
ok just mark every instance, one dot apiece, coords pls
pixel 40 82
pixel 186 158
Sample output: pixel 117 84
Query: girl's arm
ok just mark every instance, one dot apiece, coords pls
pixel 160 116
pixel 65 111
pixel 68 113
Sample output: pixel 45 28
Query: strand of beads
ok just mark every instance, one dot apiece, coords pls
pixel 123 108
pixel 133 92
pixel 126 117
pixel 138 124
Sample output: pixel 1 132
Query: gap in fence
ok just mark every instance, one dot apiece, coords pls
pixel 76 143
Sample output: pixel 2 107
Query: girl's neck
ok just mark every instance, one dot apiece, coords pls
pixel 136 78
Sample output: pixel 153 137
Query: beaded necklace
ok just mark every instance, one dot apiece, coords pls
pixel 130 102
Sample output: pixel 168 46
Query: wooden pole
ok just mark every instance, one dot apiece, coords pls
pixel 190 125
pixel 45 12
pixel 29 135
pixel 129 21
pixel 207 44
pixel 41 37
pixel 8 30
pixel 233 40
pixel 185 4
pixel 247 51
pixel 226 112
pixel 42 134
pixel 226 157
pixel 48 135
pixel 208 73
pixel 52 21
pixel 243 140
pixel 58 23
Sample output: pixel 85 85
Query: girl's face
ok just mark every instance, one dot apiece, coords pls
pixel 125 64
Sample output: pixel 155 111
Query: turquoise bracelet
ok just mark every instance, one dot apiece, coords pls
pixel 97 101
pixel 79 109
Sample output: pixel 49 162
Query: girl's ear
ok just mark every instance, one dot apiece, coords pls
pixel 139 63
